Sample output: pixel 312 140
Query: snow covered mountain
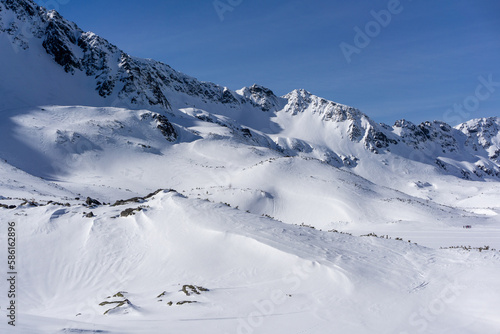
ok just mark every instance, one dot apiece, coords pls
pixel 118 79
pixel 122 80
pixel 240 243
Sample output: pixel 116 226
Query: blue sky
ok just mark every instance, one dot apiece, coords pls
pixel 433 60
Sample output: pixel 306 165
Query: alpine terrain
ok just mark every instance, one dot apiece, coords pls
pixel 141 200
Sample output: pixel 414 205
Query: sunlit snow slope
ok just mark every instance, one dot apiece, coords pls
pixel 261 230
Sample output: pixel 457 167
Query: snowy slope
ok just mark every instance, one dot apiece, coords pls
pixel 285 157
pixel 52 61
pixel 111 153
pixel 262 275
pixel 79 118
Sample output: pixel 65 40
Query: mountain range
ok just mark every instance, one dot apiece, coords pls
pixel 263 211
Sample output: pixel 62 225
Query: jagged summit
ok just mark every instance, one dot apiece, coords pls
pixel 117 76
pixel 262 97
pixel 485 133
pixel 300 100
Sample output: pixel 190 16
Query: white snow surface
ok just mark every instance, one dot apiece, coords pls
pixel 263 276
pixel 288 214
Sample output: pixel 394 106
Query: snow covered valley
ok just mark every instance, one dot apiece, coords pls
pixel 142 200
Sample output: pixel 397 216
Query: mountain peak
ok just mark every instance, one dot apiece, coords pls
pixel 300 100
pixel 73 60
pixel 261 97
pixel 485 133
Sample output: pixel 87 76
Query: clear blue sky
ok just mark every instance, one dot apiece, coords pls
pixel 428 58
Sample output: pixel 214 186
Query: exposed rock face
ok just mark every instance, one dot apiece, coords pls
pixel 483 132
pixel 136 82
pixel 143 83
pixel 166 128
pixel 262 98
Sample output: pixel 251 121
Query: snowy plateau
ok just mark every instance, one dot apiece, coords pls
pixel 142 200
